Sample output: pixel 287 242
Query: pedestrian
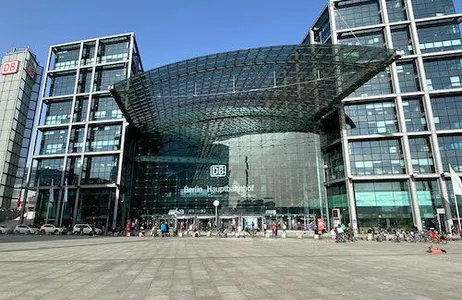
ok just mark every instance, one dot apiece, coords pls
pixel 163 229
pixel 264 228
pixel 435 250
pixel 339 236
pixel 274 230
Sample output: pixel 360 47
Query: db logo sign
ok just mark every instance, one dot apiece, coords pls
pixel 218 171
pixel 9 67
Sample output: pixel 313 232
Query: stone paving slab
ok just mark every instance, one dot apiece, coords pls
pixel 213 268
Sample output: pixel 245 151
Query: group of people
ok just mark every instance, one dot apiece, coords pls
pixel 164 229
pixel 342 233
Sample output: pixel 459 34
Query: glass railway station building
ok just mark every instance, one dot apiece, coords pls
pixel 356 124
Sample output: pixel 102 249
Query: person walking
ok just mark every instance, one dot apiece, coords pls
pixel 274 230
pixel 163 229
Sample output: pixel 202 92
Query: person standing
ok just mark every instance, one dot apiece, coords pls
pixel 163 229
pixel 274 230
pixel 264 228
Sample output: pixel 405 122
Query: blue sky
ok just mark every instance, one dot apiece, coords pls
pixel 166 30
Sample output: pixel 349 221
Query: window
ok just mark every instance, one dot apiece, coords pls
pixel 439 37
pixel 447 112
pixel 350 14
pixel 408 79
pixel 421 155
pixel 99 169
pixel 66 57
pixel 414 115
pixel 58 112
pixel 371 118
pixel 53 141
pixel 48 170
pixel 380 84
pixel 444 73
pixel 80 109
pixel 432 8
pixel 105 108
pixel 104 138
pixel 106 76
pixel 113 50
pixel 396 10
pixel 402 40
pixel 61 84
pixel 376 157
pixel 451 151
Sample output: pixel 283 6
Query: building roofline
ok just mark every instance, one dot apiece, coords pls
pixel 92 39
pixel 315 21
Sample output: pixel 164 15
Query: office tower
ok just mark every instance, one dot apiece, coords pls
pixel 388 148
pixel 81 133
pixel 19 87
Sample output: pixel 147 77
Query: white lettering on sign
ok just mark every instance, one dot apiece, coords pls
pixel 10 67
pixel 218 189
pixel 218 171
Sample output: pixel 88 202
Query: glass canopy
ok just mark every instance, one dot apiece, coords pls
pixel 252 91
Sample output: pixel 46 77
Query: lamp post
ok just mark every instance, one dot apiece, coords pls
pixel 216 203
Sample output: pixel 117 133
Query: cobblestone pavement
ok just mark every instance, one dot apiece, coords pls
pixel 230 268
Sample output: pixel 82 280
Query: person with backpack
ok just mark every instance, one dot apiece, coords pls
pixel 163 229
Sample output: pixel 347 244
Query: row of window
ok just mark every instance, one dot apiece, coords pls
pixel 102 108
pixel 94 170
pixel 99 138
pixel 379 157
pixel 110 50
pixel 432 38
pixel 441 74
pixel 65 83
pixel 351 14
pixel 381 117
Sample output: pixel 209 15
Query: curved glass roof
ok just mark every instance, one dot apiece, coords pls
pixel 261 90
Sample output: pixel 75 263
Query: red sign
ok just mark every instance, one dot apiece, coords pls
pixel 30 69
pixel 321 225
pixel 10 67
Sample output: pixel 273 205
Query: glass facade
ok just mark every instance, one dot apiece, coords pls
pixel 80 136
pixel 402 39
pixel 396 10
pixel 376 157
pixel 267 176
pixel 370 118
pixel 451 151
pixel 259 156
pixel 19 92
pixel 381 160
pixel 444 37
pixel 414 115
pixel 432 8
pixel 408 77
pixel 421 155
pixel 444 73
pixel 383 204
pixel 351 13
pixel 379 85
pixel 400 140
pixel 447 112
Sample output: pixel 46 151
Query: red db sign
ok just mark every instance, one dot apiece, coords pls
pixel 10 67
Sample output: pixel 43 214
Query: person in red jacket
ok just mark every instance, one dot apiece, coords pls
pixel 435 250
pixel 274 230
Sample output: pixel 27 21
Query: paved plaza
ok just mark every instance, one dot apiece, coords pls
pixel 228 268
